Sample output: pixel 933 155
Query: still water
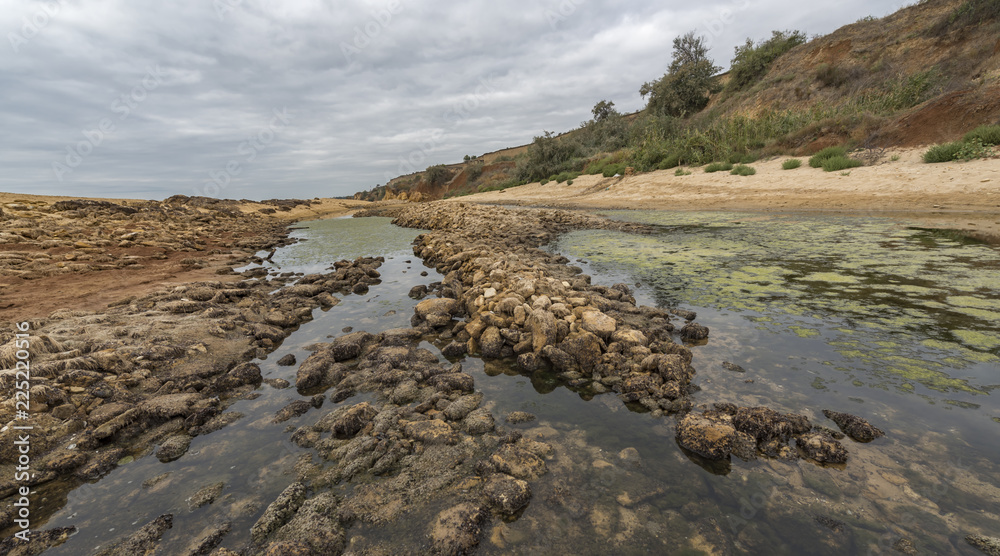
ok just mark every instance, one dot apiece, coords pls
pixel 862 315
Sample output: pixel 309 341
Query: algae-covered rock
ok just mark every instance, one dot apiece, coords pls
pixel 854 426
pixel 708 436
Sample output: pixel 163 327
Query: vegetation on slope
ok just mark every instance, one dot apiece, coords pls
pixel 913 77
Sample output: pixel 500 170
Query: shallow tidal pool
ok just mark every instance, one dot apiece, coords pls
pixel 897 324
pixel 866 316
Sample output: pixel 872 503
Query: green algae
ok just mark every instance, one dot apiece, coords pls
pixel 900 306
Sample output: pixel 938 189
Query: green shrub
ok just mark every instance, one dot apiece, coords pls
pixel 564 176
pixel 840 162
pixel 817 160
pixel 543 182
pixel 791 164
pixel 718 167
pixel 682 172
pixel 945 152
pixel 672 160
pixel 569 182
pixel 743 170
pixel 986 134
pixel 752 61
pixel 972 149
pixel 610 171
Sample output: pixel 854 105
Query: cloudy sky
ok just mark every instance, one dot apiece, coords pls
pixel 303 98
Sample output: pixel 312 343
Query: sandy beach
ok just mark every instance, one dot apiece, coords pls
pixel 960 195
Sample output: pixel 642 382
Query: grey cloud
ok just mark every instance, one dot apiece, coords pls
pixel 410 87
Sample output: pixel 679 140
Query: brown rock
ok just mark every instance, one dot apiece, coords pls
pixel 711 437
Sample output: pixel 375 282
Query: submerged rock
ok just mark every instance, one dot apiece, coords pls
pixel 507 494
pixel 457 530
pixel 854 426
pixel 989 545
pixel 822 447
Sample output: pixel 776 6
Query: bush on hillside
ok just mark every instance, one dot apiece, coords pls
pixel 986 134
pixel 743 170
pixel 791 164
pixel 752 61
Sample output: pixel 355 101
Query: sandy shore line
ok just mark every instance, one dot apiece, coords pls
pixel 960 195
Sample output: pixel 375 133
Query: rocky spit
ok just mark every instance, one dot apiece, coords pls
pixel 151 372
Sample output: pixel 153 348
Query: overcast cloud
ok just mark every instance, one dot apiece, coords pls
pixel 297 98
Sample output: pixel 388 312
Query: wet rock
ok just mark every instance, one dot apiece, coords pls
pixel 905 546
pixel 173 448
pixel 455 349
pixel 143 541
pixel 242 374
pixel 288 548
pixel 685 314
pixel 457 530
pixel 461 382
pixel 418 292
pixel 349 346
pixel 314 527
pixel 833 524
pixel 205 495
pixel 733 367
pixel 480 421
pixel 287 361
pixel 598 323
pixel 506 494
pixel 585 347
pixel 490 343
pixel 822 447
pixel 559 359
pixel 312 371
pixel 629 338
pixel 765 424
pixel 543 329
pixel 458 409
pixel 438 306
pixel 854 426
pixel 64 460
pixel 516 417
pixel 629 457
pixel 432 431
pixel 694 332
pixel 294 409
pixel 710 436
pixel 170 405
pixel 988 545
pixel 744 446
pixel 349 422
pixel 518 462
pixel 279 512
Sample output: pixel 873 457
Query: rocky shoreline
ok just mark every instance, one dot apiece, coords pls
pixel 153 371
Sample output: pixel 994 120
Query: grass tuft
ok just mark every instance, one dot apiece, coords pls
pixel 718 167
pixel 817 160
pixel 791 164
pixel 743 170
pixel 837 163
